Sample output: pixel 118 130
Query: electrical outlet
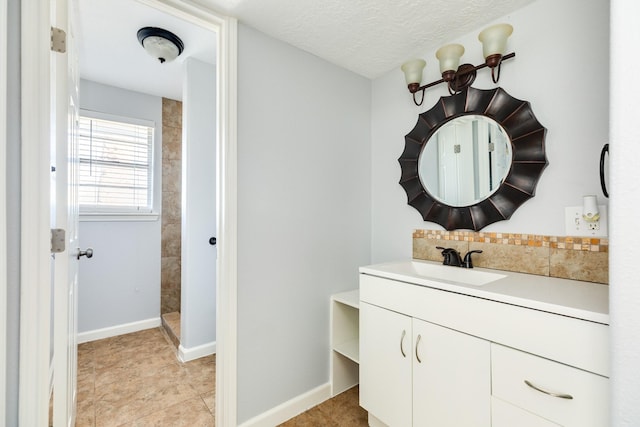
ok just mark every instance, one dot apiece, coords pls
pixel 575 225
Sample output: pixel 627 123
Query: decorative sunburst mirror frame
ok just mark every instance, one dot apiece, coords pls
pixel 527 137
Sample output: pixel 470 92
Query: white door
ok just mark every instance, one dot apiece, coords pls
pixel 64 87
pixel 198 303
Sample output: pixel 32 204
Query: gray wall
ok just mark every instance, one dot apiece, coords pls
pixel 574 110
pixel 121 283
pixel 303 213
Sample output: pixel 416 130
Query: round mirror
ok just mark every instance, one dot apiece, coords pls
pixel 465 160
pixel 473 159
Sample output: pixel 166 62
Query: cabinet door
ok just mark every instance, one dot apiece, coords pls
pixel 385 365
pixel 452 378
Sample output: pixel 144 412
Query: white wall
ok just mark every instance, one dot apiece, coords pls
pixel 198 283
pixel 625 203
pixel 560 68
pixel 121 283
pixel 303 213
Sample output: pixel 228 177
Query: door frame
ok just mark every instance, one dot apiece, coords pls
pixel 35 275
pixel 35 234
pixel 3 206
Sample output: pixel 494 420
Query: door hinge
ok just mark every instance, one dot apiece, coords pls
pixel 58 40
pixel 57 240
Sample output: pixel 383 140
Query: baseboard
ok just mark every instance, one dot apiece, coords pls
pixel 113 331
pixel 188 354
pixel 291 408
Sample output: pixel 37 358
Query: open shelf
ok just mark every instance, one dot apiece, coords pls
pixel 349 349
pixel 350 298
pixel 345 341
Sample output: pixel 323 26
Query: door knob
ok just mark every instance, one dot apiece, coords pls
pixel 88 253
pixel 213 241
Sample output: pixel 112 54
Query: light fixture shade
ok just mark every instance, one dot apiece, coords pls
pixel 413 70
pixel 494 39
pixel 449 57
pixel 161 44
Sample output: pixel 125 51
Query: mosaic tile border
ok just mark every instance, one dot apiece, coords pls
pixel 577 258
pixel 588 244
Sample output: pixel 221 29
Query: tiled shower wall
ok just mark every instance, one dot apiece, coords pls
pixel 171 205
pixel 578 258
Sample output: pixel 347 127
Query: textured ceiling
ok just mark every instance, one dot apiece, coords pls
pixel 369 37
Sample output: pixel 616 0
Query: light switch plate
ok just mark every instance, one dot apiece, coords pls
pixel 575 225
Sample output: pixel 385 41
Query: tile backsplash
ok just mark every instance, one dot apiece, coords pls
pixel 578 258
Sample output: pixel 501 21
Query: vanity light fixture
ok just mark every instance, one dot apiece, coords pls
pixel 161 44
pixel 458 77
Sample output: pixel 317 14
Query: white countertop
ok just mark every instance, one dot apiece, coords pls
pixel 573 298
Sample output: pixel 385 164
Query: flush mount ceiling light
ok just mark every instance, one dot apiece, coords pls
pixel 494 43
pixel 161 44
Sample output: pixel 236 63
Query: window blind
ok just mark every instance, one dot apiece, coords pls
pixel 115 166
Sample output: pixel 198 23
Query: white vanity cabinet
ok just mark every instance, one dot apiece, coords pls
pixel 413 372
pixel 433 357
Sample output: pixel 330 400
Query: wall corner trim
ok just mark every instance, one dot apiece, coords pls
pixel 193 353
pixel 290 408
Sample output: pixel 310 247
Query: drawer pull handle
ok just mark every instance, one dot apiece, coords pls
pixel 418 342
pixel 550 393
pixel 404 333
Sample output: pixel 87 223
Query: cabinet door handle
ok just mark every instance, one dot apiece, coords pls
pixel 550 393
pixel 418 342
pixel 404 333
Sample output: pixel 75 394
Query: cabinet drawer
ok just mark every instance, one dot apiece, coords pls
pixel 588 405
pixel 504 414
pixel 568 340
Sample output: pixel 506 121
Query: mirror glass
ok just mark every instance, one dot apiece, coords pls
pixel 465 160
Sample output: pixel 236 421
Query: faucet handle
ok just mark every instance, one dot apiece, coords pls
pixel 451 256
pixel 446 254
pixel 467 263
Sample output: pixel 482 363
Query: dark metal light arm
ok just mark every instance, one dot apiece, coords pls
pixel 464 76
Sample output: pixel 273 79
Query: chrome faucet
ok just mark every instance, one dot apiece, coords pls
pixel 452 257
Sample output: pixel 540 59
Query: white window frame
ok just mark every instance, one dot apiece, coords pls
pixel 116 214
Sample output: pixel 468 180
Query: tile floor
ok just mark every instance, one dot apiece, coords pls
pixel 341 411
pixel 171 325
pixel 135 380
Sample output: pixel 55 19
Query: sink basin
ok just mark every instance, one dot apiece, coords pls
pixel 454 274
